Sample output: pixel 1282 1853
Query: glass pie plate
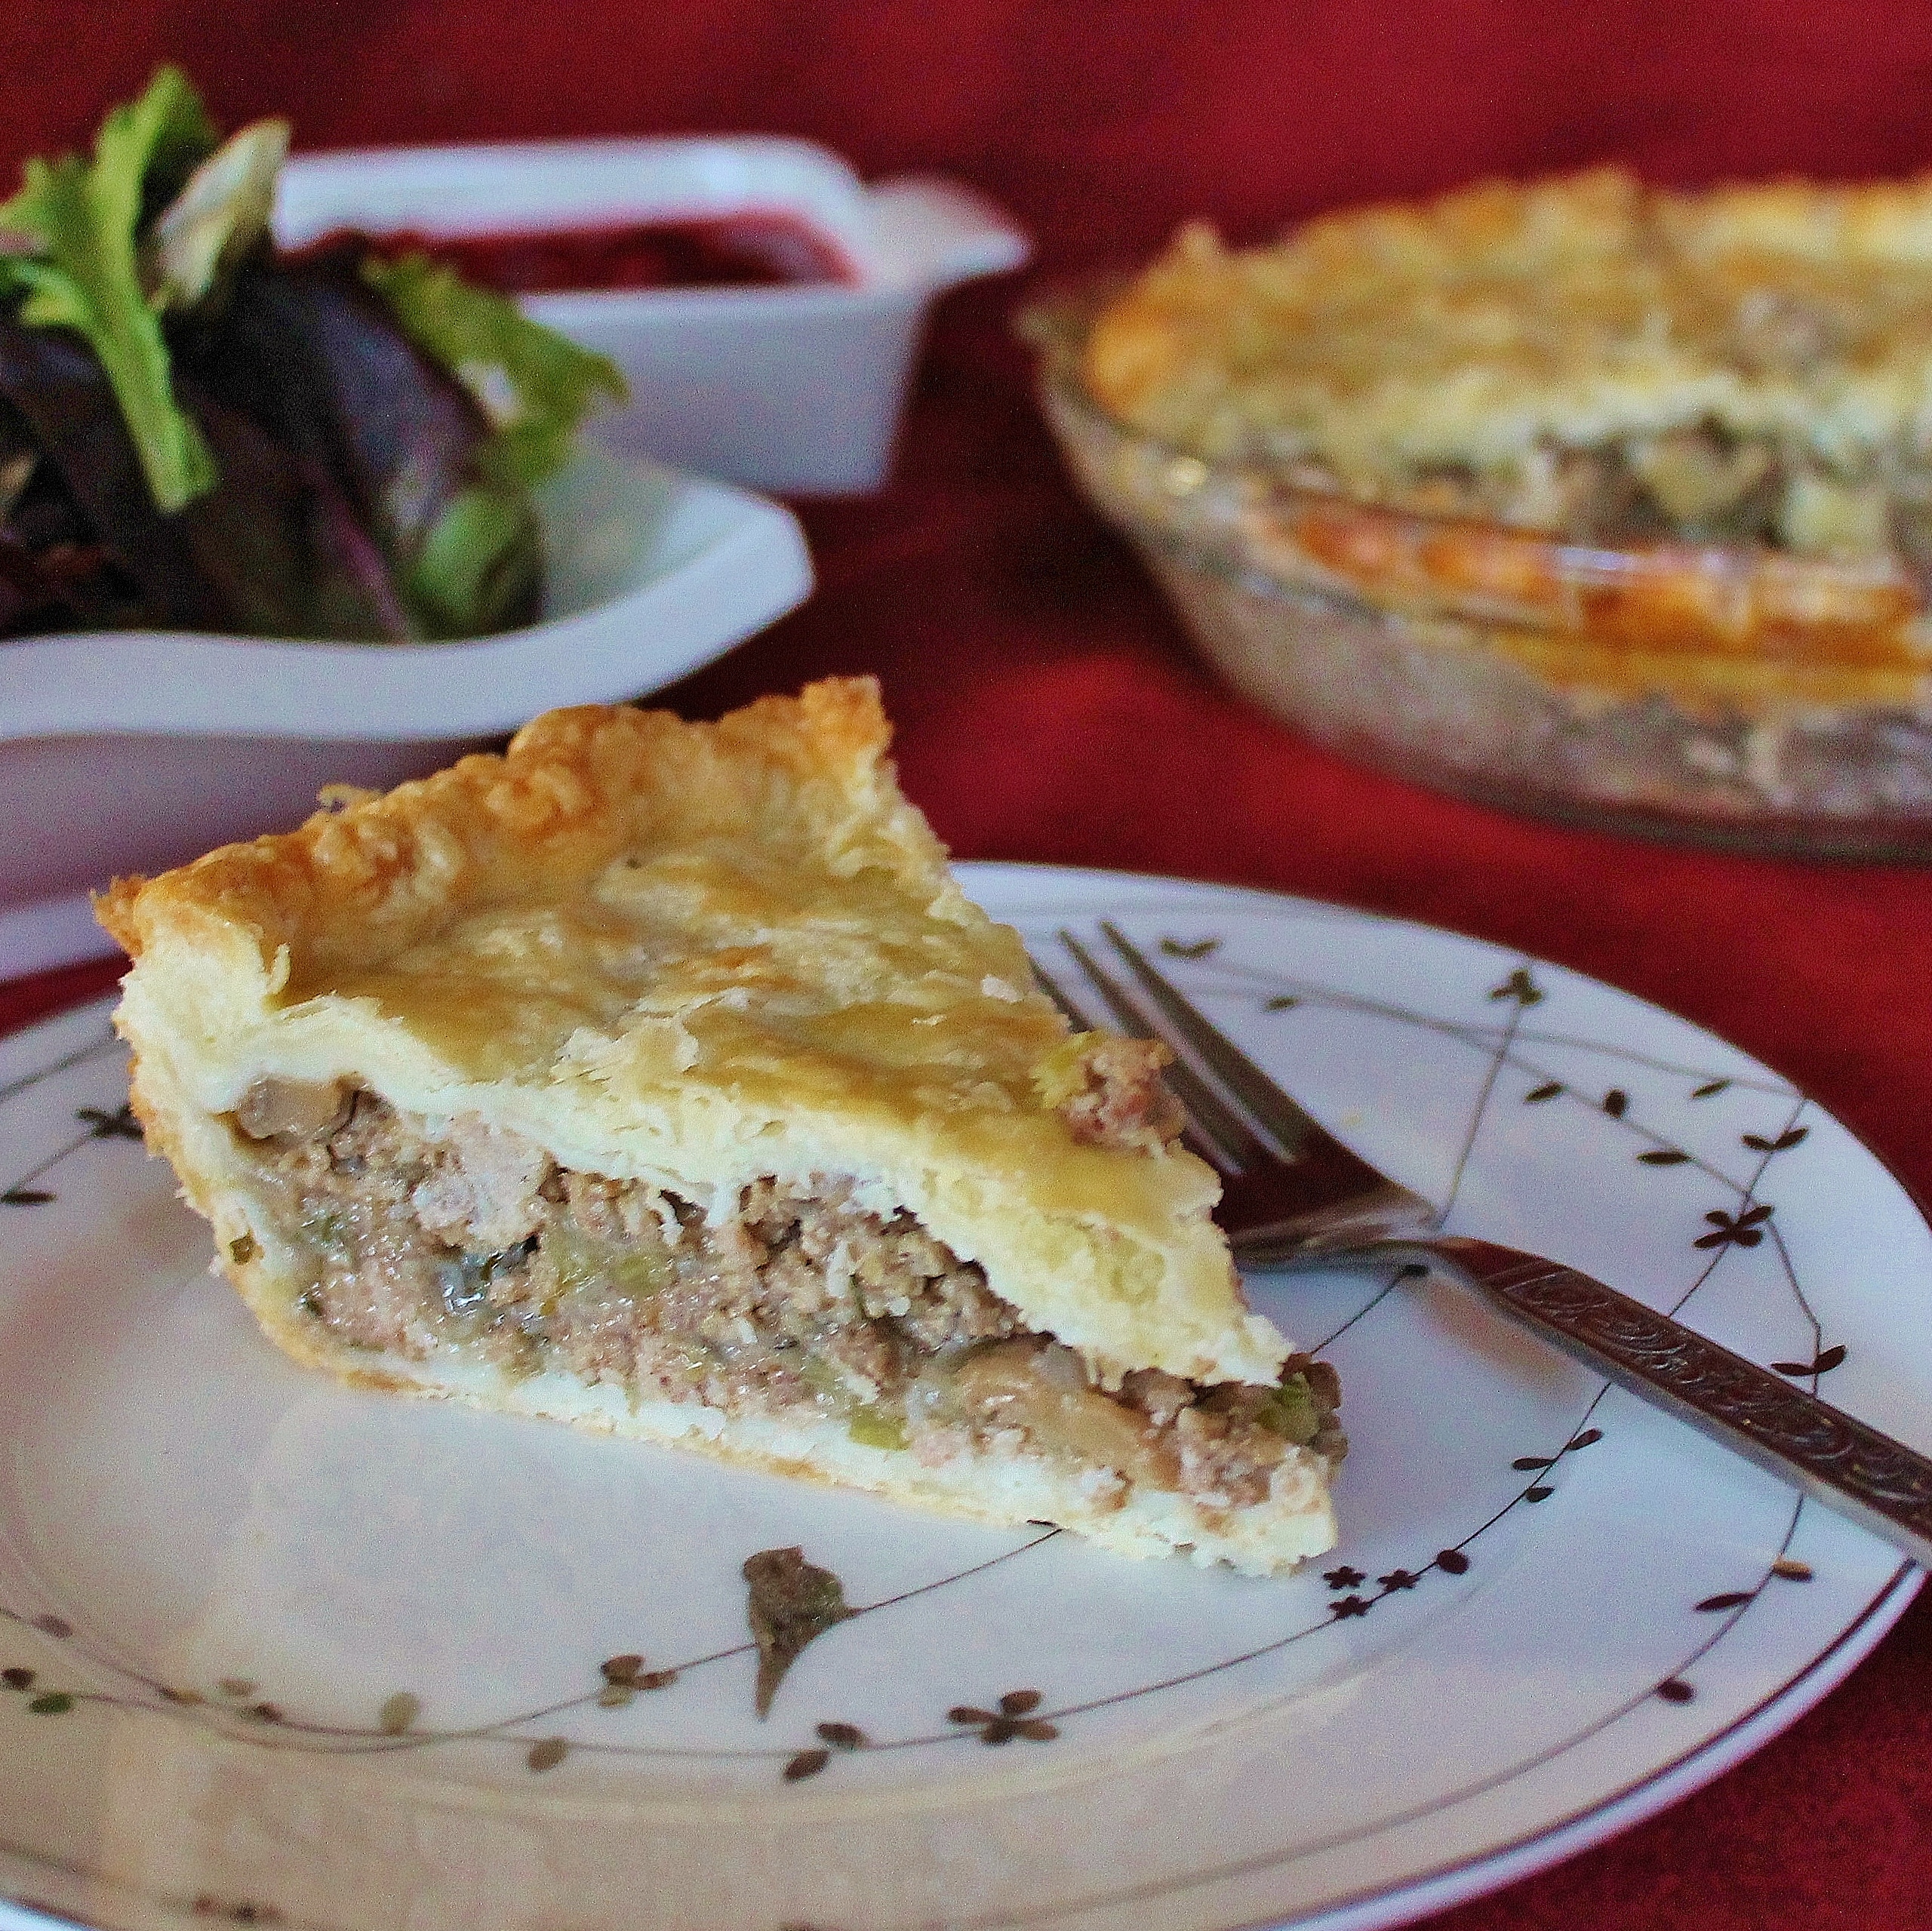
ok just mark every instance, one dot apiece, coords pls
pixel 1742 697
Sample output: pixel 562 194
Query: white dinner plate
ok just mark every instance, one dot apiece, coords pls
pixel 284 1652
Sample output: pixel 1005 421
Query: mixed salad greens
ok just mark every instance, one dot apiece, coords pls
pixel 197 432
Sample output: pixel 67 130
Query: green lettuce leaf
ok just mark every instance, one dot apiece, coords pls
pixel 220 217
pixel 534 384
pixel 534 387
pixel 87 276
pixel 477 567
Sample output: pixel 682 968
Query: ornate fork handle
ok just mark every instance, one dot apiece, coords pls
pixel 1848 1466
pixel 1300 1194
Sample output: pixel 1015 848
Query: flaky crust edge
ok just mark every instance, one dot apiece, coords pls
pixel 371 873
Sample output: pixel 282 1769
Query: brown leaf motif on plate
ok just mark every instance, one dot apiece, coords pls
pixel 792 1602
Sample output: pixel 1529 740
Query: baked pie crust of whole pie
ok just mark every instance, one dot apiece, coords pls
pixel 658 1077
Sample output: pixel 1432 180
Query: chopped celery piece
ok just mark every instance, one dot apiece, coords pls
pixel 1291 1412
pixel 582 1262
pixel 873 1427
pixel 324 1227
pixel 825 1381
pixel 876 1427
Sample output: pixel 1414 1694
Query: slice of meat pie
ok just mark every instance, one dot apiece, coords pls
pixel 658 1077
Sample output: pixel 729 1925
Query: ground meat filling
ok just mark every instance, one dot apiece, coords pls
pixel 1119 1099
pixel 788 1297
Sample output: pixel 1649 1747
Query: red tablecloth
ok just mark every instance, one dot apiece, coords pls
pixel 1047 707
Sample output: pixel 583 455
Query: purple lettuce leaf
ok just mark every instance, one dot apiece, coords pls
pixel 61 391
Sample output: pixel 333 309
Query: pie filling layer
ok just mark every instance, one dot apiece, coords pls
pixel 469 1243
pixel 1700 484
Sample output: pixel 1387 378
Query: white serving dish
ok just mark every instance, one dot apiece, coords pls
pixel 791 388
pixel 130 751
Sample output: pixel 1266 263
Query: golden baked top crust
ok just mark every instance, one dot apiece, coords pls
pixel 1452 351
pixel 696 954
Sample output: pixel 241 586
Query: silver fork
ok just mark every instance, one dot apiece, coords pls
pixel 1291 1192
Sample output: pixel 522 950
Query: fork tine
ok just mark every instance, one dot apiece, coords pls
pixel 1072 1013
pixel 1222 1137
pixel 1242 1078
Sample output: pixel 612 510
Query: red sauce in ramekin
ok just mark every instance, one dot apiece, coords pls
pixel 750 249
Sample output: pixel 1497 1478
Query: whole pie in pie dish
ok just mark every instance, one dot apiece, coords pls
pixel 1570 494
pixel 658 1077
